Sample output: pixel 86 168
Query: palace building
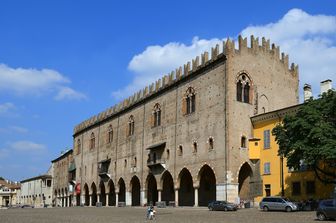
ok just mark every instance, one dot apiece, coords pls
pixel 183 140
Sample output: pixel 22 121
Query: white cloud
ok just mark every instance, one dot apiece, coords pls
pixel 156 60
pixel 66 93
pixel 308 39
pixel 27 147
pixel 22 81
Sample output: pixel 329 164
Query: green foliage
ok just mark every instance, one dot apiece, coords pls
pixel 310 134
pixel 1 178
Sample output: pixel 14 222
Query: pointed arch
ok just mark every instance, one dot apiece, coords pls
pixel 244 176
pixel 93 194
pixel 102 195
pixel 122 190
pixel 135 189
pixel 87 195
pixel 112 195
pixel 186 190
pixel 167 185
pixel 207 185
pixel 244 87
pixel 152 193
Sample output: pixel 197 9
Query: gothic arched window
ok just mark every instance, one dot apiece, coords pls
pixel 189 102
pixel 156 117
pixel 244 88
pixel 92 141
pixel 110 134
pixel 131 125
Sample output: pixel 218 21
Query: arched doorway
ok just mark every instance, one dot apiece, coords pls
pixel 167 188
pixel 135 185
pixel 94 194
pixel 245 174
pixel 186 191
pixel 122 191
pixel 102 195
pixel 87 195
pixel 152 193
pixel 207 189
pixel 112 197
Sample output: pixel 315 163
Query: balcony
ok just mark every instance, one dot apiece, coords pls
pixel 72 173
pixel 72 177
pixel 103 167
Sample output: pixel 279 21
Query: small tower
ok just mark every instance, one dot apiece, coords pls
pixel 307 92
pixel 325 86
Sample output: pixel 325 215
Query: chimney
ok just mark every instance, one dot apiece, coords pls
pixel 307 92
pixel 325 86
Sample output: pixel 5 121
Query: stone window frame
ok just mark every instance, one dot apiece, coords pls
pixel 180 150
pixel 211 143
pixel 109 134
pixel 92 141
pixel 244 87
pixel 195 147
pixel 243 142
pixel 189 101
pixel 156 115
pixel 130 126
pixel 135 162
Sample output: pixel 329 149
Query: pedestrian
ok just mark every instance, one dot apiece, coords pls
pixel 149 210
pixel 152 214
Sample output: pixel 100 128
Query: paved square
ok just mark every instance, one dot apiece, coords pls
pixel 128 214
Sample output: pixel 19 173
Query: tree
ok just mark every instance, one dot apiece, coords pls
pixel 309 137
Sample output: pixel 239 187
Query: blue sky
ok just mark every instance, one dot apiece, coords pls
pixel 64 61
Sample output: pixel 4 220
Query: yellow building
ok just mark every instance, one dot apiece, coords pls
pixel 298 185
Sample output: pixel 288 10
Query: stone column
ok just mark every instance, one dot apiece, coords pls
pixel 98 198
pixel 176 197
pixel 128 198
pixel 196 197
pixel 143 198
pixel 159 195
pixel 117 199
pixel 107 200
pixel 90 200
pixel 82 200
pixel 69 201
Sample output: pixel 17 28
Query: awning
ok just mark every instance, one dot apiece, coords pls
pixel 157 146
pixel 72 167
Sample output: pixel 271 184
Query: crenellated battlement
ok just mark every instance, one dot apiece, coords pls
pixel 190 68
